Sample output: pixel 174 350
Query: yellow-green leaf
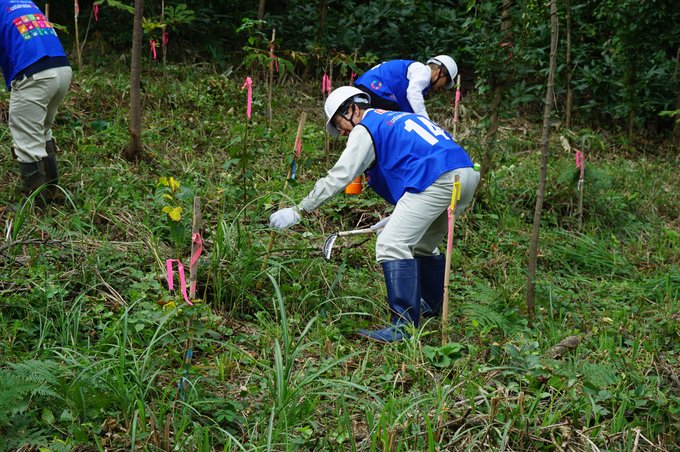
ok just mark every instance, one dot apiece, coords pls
pixel 174 184
pixel 175 213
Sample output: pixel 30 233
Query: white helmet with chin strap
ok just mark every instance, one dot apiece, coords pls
pixel 450 66
pixel 335 100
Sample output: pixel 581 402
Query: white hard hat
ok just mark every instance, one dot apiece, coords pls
pixel 336 98
pixel 450 66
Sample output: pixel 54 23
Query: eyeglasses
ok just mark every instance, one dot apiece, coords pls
pixel 448 76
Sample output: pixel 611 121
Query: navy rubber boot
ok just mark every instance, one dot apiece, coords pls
pixel 432 270
pixel 403 294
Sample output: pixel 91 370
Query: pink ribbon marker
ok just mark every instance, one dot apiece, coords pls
pixel 455 106
pixel 326 84
pixel 182 280
pixel 165 38
pixel 152 43
pixel 298 148
pixel 580 162
pixel 249 103
pixel 95 10
pixel 195 238
pixel 76 8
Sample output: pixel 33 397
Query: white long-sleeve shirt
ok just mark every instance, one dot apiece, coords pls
pixel 358 156
pixel 418 75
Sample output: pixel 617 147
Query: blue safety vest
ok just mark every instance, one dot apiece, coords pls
pixel 388 80
pixel 26 36
pixel 411 153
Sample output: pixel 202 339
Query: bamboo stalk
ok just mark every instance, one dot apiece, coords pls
pixel 195 245
pixel 282 202
pixel 75 16
pixel 455 108
pixel 455 196
pixel 581 181
pixel 271 75
pixel 184 384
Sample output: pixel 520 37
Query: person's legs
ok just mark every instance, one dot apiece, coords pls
pixel 33 106
pixel 412 216
pixel 433 264
pixel 51 169
pixel 403 295
pixel 62 82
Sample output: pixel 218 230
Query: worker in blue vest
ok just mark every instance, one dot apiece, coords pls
pixel 38 75
pixel 410 162
pixel 401 85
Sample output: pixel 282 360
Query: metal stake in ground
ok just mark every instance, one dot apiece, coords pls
pixel 455 196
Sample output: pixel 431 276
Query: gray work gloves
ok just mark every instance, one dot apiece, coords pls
pixel 378 227
pixel 284 218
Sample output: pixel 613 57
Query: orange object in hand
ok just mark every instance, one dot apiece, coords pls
pixel 354 187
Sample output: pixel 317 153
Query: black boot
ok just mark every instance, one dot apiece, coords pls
pixel 33 176
pixel 432 269
pixel 403 294
pixel 51 163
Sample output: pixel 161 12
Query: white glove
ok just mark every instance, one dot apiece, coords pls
pixel 380 224
pixel 284 218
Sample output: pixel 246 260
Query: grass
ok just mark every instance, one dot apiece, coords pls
pixel 92 349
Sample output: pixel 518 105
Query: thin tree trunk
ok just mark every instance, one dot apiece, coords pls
pixel 134 150
pixel 533 249
pixel 497 96
pixel 260 13
pixel 76 32
pixel 570 91
pixel 323 12
pixel 676 128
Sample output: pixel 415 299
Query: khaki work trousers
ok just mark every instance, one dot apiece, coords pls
pixel 419 222
pixel 33 105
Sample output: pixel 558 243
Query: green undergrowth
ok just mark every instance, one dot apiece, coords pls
pixel 93 344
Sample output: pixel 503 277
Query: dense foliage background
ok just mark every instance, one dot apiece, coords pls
pixel 623 64
pixel 93 345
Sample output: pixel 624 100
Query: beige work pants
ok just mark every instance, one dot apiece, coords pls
pixel 33 105
pixel 419 222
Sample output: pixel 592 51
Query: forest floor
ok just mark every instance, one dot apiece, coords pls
pixel 93 344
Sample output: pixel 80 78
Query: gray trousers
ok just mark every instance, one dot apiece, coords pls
pixel 419 221
pixel 33 104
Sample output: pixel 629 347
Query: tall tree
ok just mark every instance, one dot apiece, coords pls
pixel 498 83
pixel 260 13
pixel 135 151
pixel 570 92
pixel 545 136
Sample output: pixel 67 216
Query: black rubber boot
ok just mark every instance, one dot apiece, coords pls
pixel 403 294
pixel 51 163
pixel 33 176
pixel 432 269
pixel 51 171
